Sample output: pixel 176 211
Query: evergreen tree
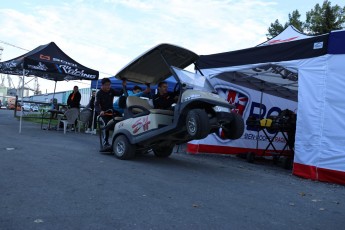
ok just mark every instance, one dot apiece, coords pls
pixel 320 20
pixel 276 27
pixel 324 19
pixel 294 19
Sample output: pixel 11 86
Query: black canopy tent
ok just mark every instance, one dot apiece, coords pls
pixel 48 62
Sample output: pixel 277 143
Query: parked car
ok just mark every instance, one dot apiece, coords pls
pixel 26 107
pixel 30 107
pixel 34 108
pixel 197 113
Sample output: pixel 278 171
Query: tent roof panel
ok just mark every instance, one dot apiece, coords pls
pixel 300 49
pixel 49 62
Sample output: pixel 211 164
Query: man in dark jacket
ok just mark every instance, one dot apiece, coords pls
pixel 74 98
pixel 163 99
pixel 91 107
pixel 73 101
pixel 104 105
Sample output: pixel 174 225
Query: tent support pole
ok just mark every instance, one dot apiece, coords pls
pixel 257 137
pixel 94 112
pixel 21 105
pixel 50 119
pixel 54 91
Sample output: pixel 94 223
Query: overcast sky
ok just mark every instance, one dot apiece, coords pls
pixel 107 34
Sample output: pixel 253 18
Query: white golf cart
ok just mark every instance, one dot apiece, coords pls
pixel 197 112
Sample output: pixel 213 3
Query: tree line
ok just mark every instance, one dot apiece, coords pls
pixel 319 20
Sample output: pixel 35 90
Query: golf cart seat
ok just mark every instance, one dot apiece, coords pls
pixel 113 121
pixel 110 123
pixel 138 105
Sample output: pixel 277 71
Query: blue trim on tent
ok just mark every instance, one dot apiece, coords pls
pixel 117 84
pixel 336 44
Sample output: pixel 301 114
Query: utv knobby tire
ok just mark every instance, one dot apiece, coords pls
pixel 197 124
pixel 235 129
pixel 163 152
pixel 122 148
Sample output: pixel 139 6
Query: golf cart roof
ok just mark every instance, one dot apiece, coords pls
pixel 152 66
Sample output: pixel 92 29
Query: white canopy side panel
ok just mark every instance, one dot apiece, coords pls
pixel 311 97
pixel 332 146
pixel 311 100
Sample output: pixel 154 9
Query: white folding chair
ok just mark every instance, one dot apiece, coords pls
pixel 69 118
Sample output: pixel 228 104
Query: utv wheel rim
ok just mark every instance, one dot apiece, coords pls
pixel 120 148
pixel 192 125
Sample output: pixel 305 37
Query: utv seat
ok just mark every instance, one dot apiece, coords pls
pixel 133 101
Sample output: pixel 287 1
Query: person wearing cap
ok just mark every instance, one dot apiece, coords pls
pixel 104 104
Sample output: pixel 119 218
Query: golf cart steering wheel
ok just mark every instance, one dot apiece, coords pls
pixel 176 88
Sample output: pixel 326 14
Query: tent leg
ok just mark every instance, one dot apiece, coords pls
pixel 50 119
pixel 21 105
pixel 93 114
pixel 257 139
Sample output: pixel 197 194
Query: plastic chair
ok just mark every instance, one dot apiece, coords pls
pixel 84 118
pixel 69 118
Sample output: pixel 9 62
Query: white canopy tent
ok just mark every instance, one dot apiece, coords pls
pixel 315 66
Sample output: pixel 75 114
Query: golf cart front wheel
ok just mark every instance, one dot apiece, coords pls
pixel 197 124
pixel 122 148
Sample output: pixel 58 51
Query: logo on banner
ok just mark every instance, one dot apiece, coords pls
pixel 64 62
pixel 10 64
pixel 76 72
pixel 239 100
pixel 141 123
pixel 276 41
pixel 318 45
pixel 44 57
pixel 40 66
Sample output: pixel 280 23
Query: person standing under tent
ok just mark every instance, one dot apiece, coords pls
pixel 73 101
pixel 74 98
pixel 91 107
pixel 104 106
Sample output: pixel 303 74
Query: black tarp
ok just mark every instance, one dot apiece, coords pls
pixel 48 62
pixel 300 49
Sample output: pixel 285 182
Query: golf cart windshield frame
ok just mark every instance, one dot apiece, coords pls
pixel 154 65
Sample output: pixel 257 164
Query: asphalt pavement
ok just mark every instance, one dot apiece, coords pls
pixel 49 180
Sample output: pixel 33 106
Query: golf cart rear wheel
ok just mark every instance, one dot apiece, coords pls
pixel 235 129
pixel 163 151
pixel 197 124
pixel 122 148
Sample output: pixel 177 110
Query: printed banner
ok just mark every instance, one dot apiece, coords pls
pixel 247 103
